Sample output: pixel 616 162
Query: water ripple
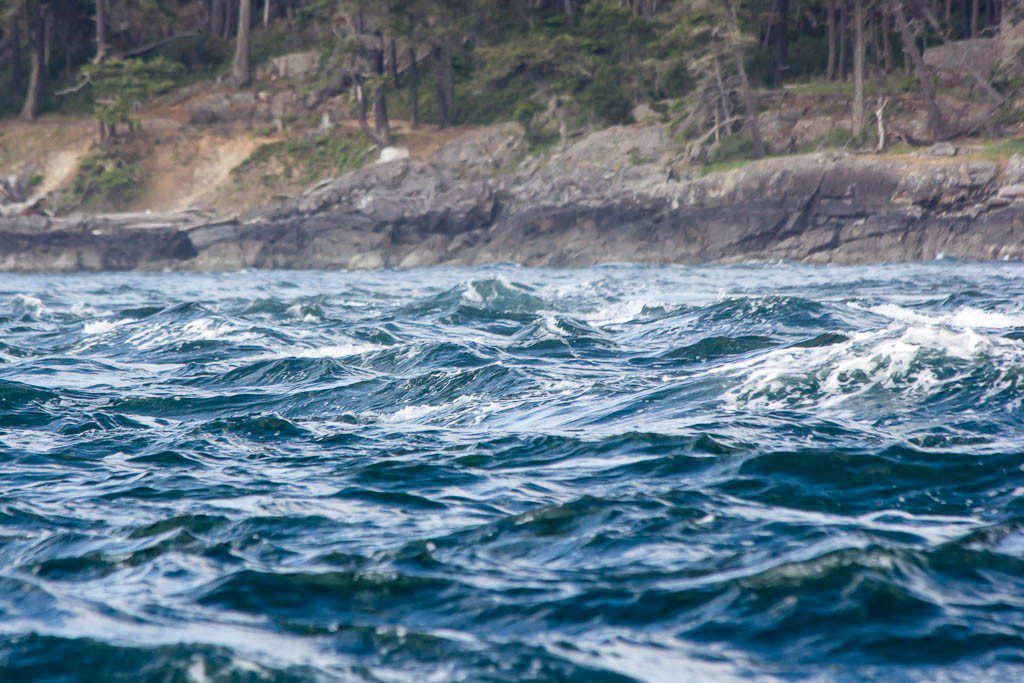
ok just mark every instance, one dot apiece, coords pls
pixel 611 474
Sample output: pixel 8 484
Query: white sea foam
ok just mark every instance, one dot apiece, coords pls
pixel 295 311
pixel 29 303
pixel 965 317
pixel 99 327
pixel 416 413
pixel 618 312
pixel 564 387
pixel 201 329
pixel 83 310
pixel 409 413
pixel 472 294
pixel 550 328
pixel 343 350
pixel 973 317
pixel 895 357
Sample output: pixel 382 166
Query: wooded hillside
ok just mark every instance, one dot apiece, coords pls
pixel 549 64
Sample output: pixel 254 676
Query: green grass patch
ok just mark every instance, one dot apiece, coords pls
pixel 723 166
pixel 305 160
pixel 837 138
pixel 1003 148
pixel 820 86
pixel 895 83
pixel 731 148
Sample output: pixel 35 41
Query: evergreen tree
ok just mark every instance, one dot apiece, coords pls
pixel 119 85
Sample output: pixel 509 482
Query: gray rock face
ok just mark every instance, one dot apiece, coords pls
pixel 227 108
pixel 811 130
pixel 963 60
pixel 290 65
pixel 483 152
pixel 38 244
pixel 576 210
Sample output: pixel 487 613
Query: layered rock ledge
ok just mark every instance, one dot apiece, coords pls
pixel 584 207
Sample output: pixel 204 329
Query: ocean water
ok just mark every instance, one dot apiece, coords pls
pixel 505 474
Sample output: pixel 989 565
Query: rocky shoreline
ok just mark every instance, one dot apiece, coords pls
pixel 611 197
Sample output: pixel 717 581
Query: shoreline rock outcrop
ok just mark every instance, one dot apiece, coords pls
pixel 580 208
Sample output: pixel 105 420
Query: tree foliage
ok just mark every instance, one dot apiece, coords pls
pixel 119 85
pixel 554 64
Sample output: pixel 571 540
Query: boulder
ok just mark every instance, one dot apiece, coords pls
pixel 642 113
pixel 1014 191
pixel 941 149
pixel 962 61
pixel 393 154
pixel 811 130
pixel 617 147
pixel 290 66
pixel 775 130
pixel 284 103
pixel 1013 171
pixel 483 152
pixel 227 108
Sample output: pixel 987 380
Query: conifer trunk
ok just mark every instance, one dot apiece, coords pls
pixel 33 96
pixel 101 30
pixel 17 73
pixel 445 84
pixel 781 39
pixel 888 59
pixel 381 124
pixel 241 70
pixel 830 69
pixel 844 39
pixel 414 89
pixel 858 66
pixel 216 18
pixel 393 61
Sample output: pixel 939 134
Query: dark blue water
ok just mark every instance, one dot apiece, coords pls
pixel 502 474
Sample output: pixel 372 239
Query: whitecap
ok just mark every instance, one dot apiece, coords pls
pixel 296 312
pixel 83 310
pixel 618 312
pixel 29 303
pixel 201 329
pixel 891 358
pixel 965 317
pixel 471 294
pixel 994 320
pixel 99 327
pixel 408 413
pixel 342 350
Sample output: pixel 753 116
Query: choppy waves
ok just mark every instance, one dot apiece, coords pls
pixel 618 473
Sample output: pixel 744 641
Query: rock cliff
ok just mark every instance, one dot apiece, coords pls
pixel 604 199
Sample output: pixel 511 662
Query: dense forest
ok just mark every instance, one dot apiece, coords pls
pixel 471 61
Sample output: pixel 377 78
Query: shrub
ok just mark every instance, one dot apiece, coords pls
pixel 605 98
pixel 104 179
pixel 677 81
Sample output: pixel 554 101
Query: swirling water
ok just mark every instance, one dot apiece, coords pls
pixel 504 474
